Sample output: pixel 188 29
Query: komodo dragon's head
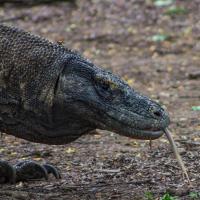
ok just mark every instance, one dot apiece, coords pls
pixel 96 98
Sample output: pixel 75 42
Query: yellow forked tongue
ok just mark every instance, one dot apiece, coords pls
pixel 178 157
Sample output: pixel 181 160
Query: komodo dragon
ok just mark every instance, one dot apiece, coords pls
pixel 50 94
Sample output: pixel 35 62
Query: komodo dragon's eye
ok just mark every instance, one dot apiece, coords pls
pixel 104 84
pixel 107 89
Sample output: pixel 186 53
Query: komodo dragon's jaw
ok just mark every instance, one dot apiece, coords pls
pixel 102 100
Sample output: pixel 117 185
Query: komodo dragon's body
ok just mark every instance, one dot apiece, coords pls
pixel 52 95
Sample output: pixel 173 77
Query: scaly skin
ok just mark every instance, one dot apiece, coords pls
pixel 50 94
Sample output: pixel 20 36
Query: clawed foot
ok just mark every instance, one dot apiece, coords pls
pixel 7 173
pixel 25 171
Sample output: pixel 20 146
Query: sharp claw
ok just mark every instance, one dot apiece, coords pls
pixel 7 173
pixel 52 170
pixel 30 170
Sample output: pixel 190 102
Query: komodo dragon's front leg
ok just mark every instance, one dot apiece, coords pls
pixel 26 171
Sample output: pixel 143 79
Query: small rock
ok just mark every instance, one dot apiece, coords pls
pixel 194 75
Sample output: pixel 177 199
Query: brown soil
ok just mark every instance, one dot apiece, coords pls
pixel 118 36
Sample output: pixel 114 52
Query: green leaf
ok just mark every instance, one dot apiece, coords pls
pixel 149 196
pixel 168 197
pixel 161 3
pixel 160 37
pixel 196 108
pixel 175 10
pixel 194 195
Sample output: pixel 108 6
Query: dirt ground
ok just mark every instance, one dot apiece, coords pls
pixel 121 36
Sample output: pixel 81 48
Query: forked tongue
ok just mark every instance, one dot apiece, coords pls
pixel 177 155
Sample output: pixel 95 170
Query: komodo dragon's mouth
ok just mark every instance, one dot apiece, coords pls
pixel 147 134
pixel 127 129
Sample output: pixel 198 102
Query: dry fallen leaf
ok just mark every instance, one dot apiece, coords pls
pixel 70 150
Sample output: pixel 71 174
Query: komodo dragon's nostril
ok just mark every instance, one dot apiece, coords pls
pixel 157 113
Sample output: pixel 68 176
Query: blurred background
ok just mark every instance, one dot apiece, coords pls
pixel 152 44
